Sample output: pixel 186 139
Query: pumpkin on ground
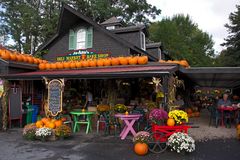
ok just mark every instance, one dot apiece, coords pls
pixel 170 122
pixel 141 149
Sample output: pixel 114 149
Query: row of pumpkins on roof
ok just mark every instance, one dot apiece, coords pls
pixel 114 61
pixel 18 57
pixel 183 63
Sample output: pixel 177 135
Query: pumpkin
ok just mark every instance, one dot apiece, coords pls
pixel 93 63
pixel 42 66
pixel 106 62
pixel 58 123
pixel 184 63
pixel 79 64
pixel 35 60
pixel 6 55
pixel 72 65
pixel 53 66
pixel 238 126
pixel 19 58
pixel 13 57
pixel 143 60
pixel 45 120
pixel 123 60
pixel 133 60
pixel 85 64
pixel 100 62
pixel 141 149
pixel 48 66
pixel 162 61
pixel 29 59
pixel 66 65
pixel 170 122
pixel 115 61
pixel 189 110
pixel 39 124
pixel 59 65
pixel 25 59
pixel 51 125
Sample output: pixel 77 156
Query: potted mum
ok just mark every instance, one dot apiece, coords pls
pixel 158 116
pixel 29 131
pixel 179 116
pixel 43 133
pixel 181 143
pixel 140 141
pixel 63 131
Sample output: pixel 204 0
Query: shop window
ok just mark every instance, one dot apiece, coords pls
pixel 80 38
pixel 143 43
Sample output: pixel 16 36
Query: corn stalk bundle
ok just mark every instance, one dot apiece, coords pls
pixel 173 84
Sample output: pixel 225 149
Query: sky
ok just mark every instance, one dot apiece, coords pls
pixel 210 15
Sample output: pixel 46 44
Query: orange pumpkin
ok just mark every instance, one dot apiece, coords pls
pixel 170 122
pixel 238 127
pixel 143 60
pixel 85 63
pixel 30 59
pixel 84 56
pixel 59 65
pixel 184 63
pixel 19 58
pixel 58 123
pixel 66 65
pixel 106 62
pixel 133 60
pixel 51 125
pixel 72 65
pixel 115 61
pixel 35 60
pixel 100 62
pixel 6 55
pixel 42 66
pixel 162 61
pixel 93 63
pixel 141 149
pixel 48 66
pixel 79 64
pixel 25 59
pixel 45 120
pixel 39 124
pixel 53 66
pixel 13 57
pixel 123 60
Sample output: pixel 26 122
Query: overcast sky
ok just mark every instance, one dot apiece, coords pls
pixel 210 15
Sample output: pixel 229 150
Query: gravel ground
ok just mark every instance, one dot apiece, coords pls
pixel 206 132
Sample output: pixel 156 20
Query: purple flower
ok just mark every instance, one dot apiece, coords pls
pixel 157 115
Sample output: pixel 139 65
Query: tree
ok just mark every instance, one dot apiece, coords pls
pixel 232 54
pixel 182 39
pixel 31 23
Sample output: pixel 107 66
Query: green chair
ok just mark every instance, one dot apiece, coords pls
pixel 78 121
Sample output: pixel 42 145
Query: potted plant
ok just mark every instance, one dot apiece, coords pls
pixel 43 133
pixel 179 116
pixel 63 131
pixel 158 116
pixel 181 143
pixel 29 131
pixel 140 141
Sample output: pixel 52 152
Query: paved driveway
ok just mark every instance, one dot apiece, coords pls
pixel 96 147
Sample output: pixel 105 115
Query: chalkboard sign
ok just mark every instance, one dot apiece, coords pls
pixel 15 103
pixel 55 97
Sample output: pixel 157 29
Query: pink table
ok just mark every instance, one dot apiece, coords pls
pixel 222 109
pixel 129 120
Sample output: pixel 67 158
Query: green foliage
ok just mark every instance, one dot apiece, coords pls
pixel 34 22
pixel 231 56
pixel 183 39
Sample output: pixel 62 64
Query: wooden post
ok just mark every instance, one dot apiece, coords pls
pixel 4 102
pixel 165 90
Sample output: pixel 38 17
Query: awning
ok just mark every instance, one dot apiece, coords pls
pixel 150 70
pixel 216 77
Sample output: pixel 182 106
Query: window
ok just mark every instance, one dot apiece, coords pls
pixel 81 39
pixel 142 39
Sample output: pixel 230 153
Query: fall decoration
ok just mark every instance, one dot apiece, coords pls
pixel 29 131
pixel 158 116
pixel 179 116
pixel 63 131
pixel 170 122
pixel 141 149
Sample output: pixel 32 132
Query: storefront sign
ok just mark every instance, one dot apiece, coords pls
pixel 55 97
pixel 82 54
pixel 1 88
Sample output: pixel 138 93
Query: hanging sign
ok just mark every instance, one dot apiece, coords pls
pixel 55 87
pixel 83 54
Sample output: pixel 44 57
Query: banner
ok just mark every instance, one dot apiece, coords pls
pixel 83 54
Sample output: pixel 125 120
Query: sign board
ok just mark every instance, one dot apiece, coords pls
pixel 55 97
pixel 15 103
pixel 82 54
